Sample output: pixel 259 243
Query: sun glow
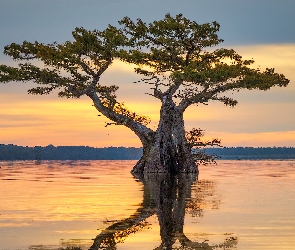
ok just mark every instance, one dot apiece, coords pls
pixel 267 139
pixel 258 119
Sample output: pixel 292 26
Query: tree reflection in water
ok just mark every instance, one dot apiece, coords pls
pixel 169 197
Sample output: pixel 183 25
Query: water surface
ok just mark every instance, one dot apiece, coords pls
pixel 55 204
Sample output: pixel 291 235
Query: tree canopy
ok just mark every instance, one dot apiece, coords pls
pixel 173 48
pixel 176 47
pixel 175 57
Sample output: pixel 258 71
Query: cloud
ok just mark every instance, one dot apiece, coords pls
pixel 278 56
pixel 41 120
pixel 267 139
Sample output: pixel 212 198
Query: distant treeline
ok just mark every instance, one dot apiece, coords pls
pixel 50 152
pixel 250 153
pixel 13 152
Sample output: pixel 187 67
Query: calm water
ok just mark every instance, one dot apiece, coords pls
pixel 233 205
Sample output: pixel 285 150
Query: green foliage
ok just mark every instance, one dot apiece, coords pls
pixel 198 144
pixel 120 108
pixel 176 47
pixel 71 67
pixel 170 43
pixel 172 51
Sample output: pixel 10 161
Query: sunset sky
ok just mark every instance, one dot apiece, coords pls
pixel 262 30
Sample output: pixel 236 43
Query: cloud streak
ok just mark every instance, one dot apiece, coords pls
pixel 253 29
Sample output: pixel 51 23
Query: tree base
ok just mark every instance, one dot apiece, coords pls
pixel 143 166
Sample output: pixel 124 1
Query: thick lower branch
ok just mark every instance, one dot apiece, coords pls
pixel 144 133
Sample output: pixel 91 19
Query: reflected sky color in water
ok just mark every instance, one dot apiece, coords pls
pixel 56 204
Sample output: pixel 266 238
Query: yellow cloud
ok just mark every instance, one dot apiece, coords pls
pixel 271 55
pixel 267 139
pixel 41 120
pixel 118 65
pixel 278 56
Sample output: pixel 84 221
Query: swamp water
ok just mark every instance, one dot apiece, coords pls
pixel 232 205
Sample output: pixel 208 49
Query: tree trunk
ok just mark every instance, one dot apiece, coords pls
pixel 164 151
pixel 168 150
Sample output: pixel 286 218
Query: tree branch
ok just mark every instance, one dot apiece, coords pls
pixel 157 93
pixel 174 87
pixel 144 133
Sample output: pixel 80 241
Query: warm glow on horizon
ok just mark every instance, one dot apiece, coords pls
pixel 267 139
pixel 257 120
pixel 278 56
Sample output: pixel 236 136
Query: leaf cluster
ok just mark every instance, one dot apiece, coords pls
pixel 169 44
pixel 197 144
pixel 121 109
pixel 73 67
pixel 172 54
pixel 177 49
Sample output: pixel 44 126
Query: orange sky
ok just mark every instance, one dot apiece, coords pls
pixel 260 118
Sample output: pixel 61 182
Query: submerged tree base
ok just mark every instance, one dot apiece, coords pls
pixel 144 167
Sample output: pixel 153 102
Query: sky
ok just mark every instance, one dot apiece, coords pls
pixel 262 30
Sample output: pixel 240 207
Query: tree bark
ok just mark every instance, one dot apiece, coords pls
pixel 168 151
pixel 164 151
